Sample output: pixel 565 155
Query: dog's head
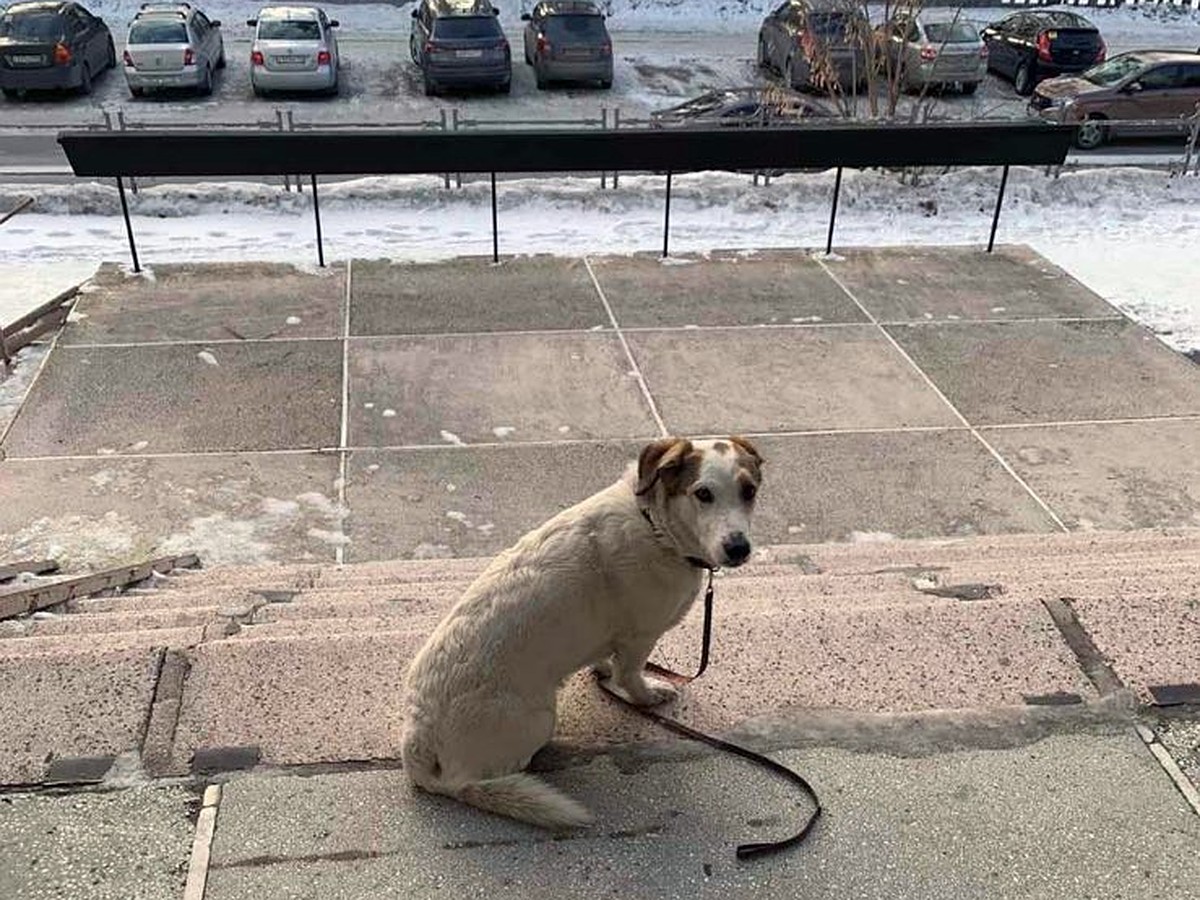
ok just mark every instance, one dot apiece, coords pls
pixel 703 494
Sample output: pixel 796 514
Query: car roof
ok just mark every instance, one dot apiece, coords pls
pixel 1166 55
pixel 295 13
pixel 37 6
pixel 567 7
pixel 1062 18
pixel 461 7
pixel 177 10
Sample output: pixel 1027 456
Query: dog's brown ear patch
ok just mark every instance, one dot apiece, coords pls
pixel 661 459
pixel 750 457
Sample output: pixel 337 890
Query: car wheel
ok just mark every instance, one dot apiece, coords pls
pixel 540 77
pixel 763 61
pixel 506 87
pixel 1024 80
pixel 136 92
pixel 221 59
pixel 969 87
pixel 11 93
pixel 1091 133
pixel 85 80
pixel 206 86
pixel 430 88
pixel 606 84
pixel 412 50
pixel 258 92
pixel 112 55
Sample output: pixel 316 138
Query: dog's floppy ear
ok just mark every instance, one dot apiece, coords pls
pixel 755 459
pixel 660 458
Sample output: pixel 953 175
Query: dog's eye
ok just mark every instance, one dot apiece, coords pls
pixel 748 492
pixel 704 495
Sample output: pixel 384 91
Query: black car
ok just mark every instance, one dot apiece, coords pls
pixel 52 46
pixel 460 44
pixel 1031 46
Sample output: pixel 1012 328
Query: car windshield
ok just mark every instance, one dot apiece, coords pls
pixel 1116 69
pixel 828 24
pixel 158 33
pixel 466 28
pixel 35 27
pixel 1066 20
pixel 288 30
pixel 578 27
pixel 951 33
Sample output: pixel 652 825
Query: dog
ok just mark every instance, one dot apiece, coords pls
pixel 596 586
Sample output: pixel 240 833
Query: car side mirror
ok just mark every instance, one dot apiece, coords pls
pixel 253 23
pixel 1134 87
pixel 415 14
pixel 334 23
pixel 215 23
pixel 495 12
pixel 526 17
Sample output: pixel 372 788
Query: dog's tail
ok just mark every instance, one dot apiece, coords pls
pixel 526 798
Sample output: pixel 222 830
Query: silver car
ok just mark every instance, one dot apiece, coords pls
pixel 294 49
pixel 933 48
pixel 566 40
pixel 172 45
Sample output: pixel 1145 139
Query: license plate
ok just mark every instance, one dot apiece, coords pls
pixel 468 54
pixel 290 60
pixel 26 60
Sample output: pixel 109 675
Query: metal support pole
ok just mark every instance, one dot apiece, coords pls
pixel 667 217
pixel 837 190
pixel 317 216
pixel 128 224
pixel 996 214
pixel 445 175
pixel 604 127
pixel 616 120
pixel 495 231
pixel 454 127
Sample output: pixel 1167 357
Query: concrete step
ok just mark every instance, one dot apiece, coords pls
pixel 69 645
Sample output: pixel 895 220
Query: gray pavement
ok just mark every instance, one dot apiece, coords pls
pixel 990 407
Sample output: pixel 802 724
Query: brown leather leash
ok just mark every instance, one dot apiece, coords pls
pixel 744 851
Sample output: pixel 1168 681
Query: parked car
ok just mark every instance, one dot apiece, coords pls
pixel 567 40
pixel 932 48
pixel 1144 84
pixel 459 43
pixel 294 49
pixel 172 45
pixel 52 46
pixel 1031 46
pixel 816 44
pixel 742 107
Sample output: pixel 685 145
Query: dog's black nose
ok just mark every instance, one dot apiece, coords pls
pixel 737 548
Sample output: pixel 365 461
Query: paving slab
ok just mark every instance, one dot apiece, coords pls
pixel 778 659
pixel 1072 815
pixel 1110 476
pixel 470 501
pixel 472 294
pixel 117 845
pixel 769 288
pixel 238 508
pixel 488 388
pixel 182 398
pixel 820 488
pixel 900 284
pixel 209 302
pixel 1149 639
pixel 762 380
pixel 69 705
pixel 1027 372
pixel 297 700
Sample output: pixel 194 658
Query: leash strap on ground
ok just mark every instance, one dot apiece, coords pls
pixel 744 851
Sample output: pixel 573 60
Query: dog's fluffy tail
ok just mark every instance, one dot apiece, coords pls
pixel 526 798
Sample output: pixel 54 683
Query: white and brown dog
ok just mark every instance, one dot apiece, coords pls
pixel 597 585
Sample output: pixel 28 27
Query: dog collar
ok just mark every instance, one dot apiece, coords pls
pixel 695 561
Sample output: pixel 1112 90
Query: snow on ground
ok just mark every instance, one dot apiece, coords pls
pixel 1127 233
pixel 25 286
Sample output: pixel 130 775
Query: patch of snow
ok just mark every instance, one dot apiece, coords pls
pixel 451 487
pixel 137 447
pixel 273 506
pixel 368 405
pixel 321 504
pixel 220 541
pixel 207 356
pixel 432 551
pixel 293 320
pixel 451 438
pixel 333 538
pixel 25 286
pixel 871 537
pixel 389 413
pixel 15 385
pixel 76 542
pixel 503 431
pixel 564 429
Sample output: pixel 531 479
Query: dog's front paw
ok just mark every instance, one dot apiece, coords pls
pixel 651 692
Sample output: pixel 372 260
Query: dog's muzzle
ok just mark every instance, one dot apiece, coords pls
pixel 736 548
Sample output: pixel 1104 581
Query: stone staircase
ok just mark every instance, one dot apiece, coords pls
pixel 303 664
